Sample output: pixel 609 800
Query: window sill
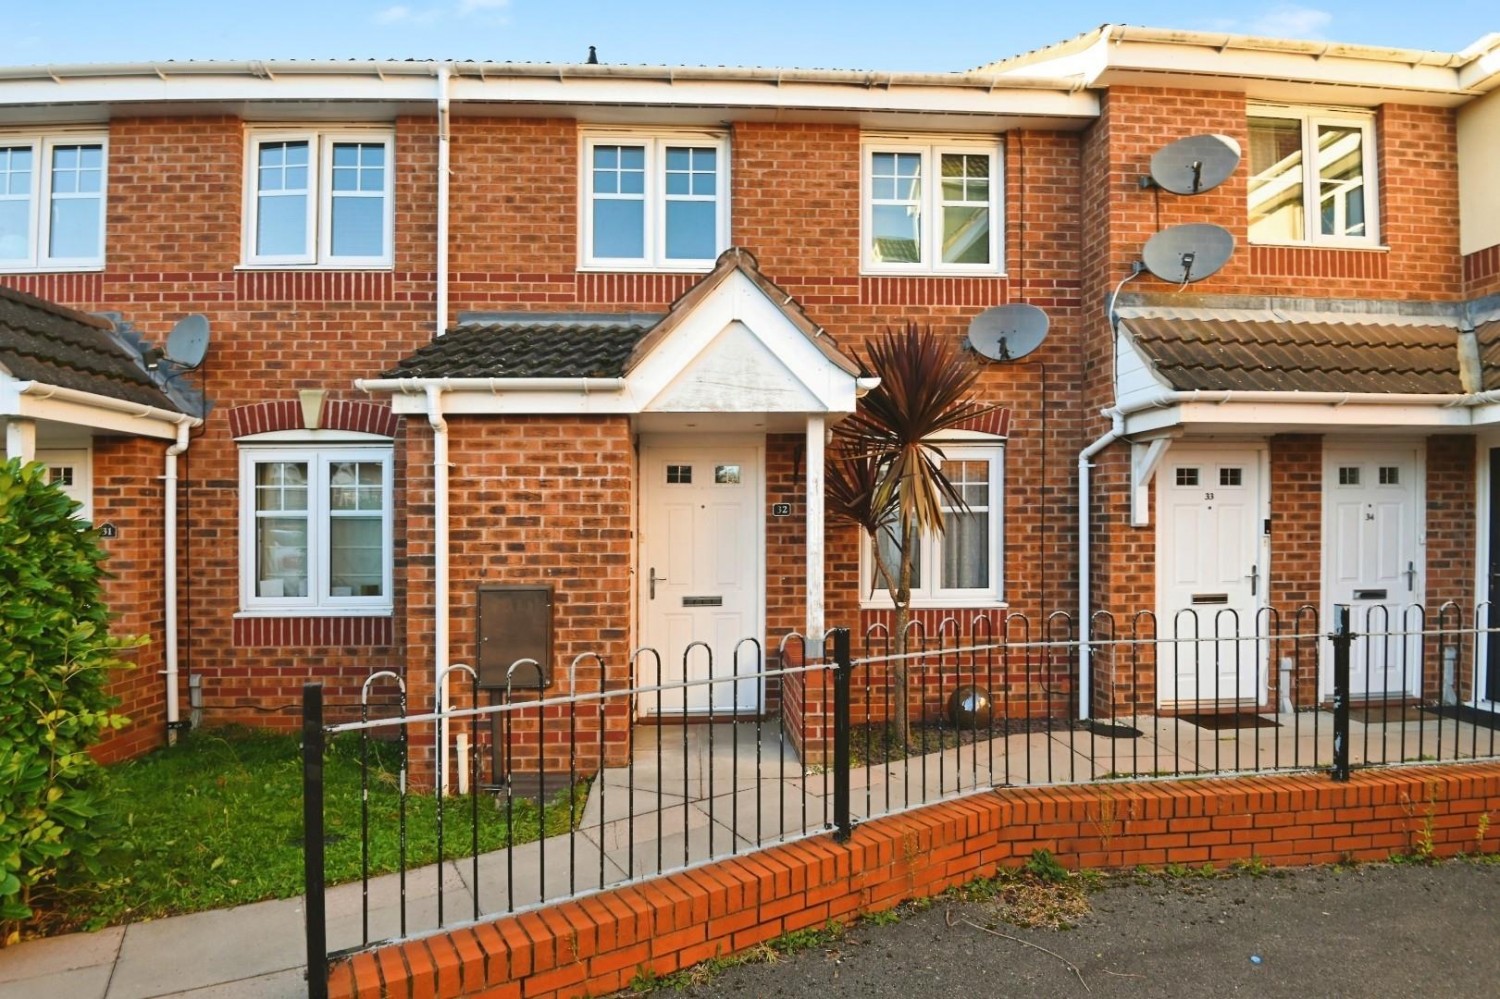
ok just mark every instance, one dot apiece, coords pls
pixel 53 269
pixel 866 272
pixel 696 267
pixel 1370 247
pixel 299 612
pixel 387 266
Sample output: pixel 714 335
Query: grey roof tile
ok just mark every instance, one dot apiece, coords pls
pixel 527 349
pixel 48 343
pixel 1259 355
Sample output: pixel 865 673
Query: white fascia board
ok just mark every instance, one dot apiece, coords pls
pixel 1241 65
pixel 1063 102
pixel 738 299
pixel 1487 415
pixel 78 414
pixel 417 83
pixel 1298 417
pixel 499 402
pixel 1482 73
pixel 196 89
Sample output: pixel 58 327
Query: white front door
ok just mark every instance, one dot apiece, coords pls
pixel 69 471
pixel 700 575
pixel 1211 577
pixel 1371 552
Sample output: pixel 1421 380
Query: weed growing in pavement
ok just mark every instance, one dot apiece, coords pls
pixel 647 980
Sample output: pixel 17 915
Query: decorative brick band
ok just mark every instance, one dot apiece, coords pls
pixel 657 290
pixel 1482 265
pixel 595 945
pixel 306 632
pixel 338 414
pixel 1298 261
pixel 73 288
pixel 314 286
pixel 995 423
pixel 974 291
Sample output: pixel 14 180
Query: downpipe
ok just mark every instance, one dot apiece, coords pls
pixel 1085 604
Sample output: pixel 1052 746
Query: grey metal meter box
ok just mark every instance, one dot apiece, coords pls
pixel 515 622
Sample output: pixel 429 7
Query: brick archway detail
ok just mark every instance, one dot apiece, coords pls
pixel 337 414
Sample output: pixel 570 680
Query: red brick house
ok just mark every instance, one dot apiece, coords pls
pixel 492 333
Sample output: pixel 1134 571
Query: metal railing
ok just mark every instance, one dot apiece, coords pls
pixel 566 795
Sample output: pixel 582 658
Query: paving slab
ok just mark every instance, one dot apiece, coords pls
pixel 208 948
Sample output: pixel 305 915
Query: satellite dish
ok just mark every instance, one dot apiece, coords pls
pixel 1007 332
pixel 188 341
pixel 1182 254
pixel 1196 164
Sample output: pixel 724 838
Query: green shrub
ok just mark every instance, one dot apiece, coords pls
pixel 55 656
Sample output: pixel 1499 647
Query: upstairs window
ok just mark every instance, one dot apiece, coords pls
pixel 931 208
pixel 51 202
pixel 319 199
pixel 315 531
pixel 1312 177
pixel 660 202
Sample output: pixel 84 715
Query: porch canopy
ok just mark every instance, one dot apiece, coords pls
pixel 1307 366
pixel 733 354
pixel 66 376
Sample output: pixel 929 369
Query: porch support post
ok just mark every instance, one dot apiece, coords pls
pixel 816 433
pixel 20 439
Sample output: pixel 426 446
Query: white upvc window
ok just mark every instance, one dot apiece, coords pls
pixel 319 199
pixel 52 193
pixel 962 566
pixel 654 201
pixel 315 529
pixel 932 207
pixel 1312 177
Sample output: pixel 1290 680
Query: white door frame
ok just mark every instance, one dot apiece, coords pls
pixel 81 457
pixel 1484 495
pixel 645 491
pixel 1258 455
pixel 1332 448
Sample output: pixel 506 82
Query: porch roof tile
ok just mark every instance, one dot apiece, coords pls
pixel 45 342
pixel 1263 352
pixel 540 347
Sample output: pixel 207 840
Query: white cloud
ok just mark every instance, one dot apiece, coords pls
pixel 467 7
pixel 1289 20
pixel 402 14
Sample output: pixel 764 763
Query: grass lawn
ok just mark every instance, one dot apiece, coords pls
pixel 217 821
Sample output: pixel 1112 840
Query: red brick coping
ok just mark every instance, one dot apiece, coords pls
pixel 595 945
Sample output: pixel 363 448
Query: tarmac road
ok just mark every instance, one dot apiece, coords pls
pixel 1376 931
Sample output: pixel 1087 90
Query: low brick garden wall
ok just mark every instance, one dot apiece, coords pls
pixel 595 945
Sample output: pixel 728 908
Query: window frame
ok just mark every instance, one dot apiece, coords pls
pixel 932 150
pixel 318 247
pixel 40 199
pixel 319 456
pixel 932 594
pixel 1310 119
pixel 655 143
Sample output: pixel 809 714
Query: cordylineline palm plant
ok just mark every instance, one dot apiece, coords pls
pixel 884 469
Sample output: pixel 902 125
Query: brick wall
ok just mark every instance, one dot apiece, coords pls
pixel 598 944
pixel 534 500
pixel 132 502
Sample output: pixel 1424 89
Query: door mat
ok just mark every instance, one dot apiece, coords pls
pixel 1477 717
pixel 1223 722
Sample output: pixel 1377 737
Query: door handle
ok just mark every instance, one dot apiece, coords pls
pixel 654 580
pixel 1411 576
pixel 1254 577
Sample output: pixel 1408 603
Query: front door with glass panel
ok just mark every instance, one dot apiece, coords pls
pixel 1211 578
pixel 700 577
pixel 1371 552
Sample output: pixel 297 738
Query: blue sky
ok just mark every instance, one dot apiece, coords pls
pixel 875 34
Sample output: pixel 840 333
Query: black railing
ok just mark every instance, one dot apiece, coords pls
pixel 608 784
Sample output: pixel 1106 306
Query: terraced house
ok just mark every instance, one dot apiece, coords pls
pixel 539 361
